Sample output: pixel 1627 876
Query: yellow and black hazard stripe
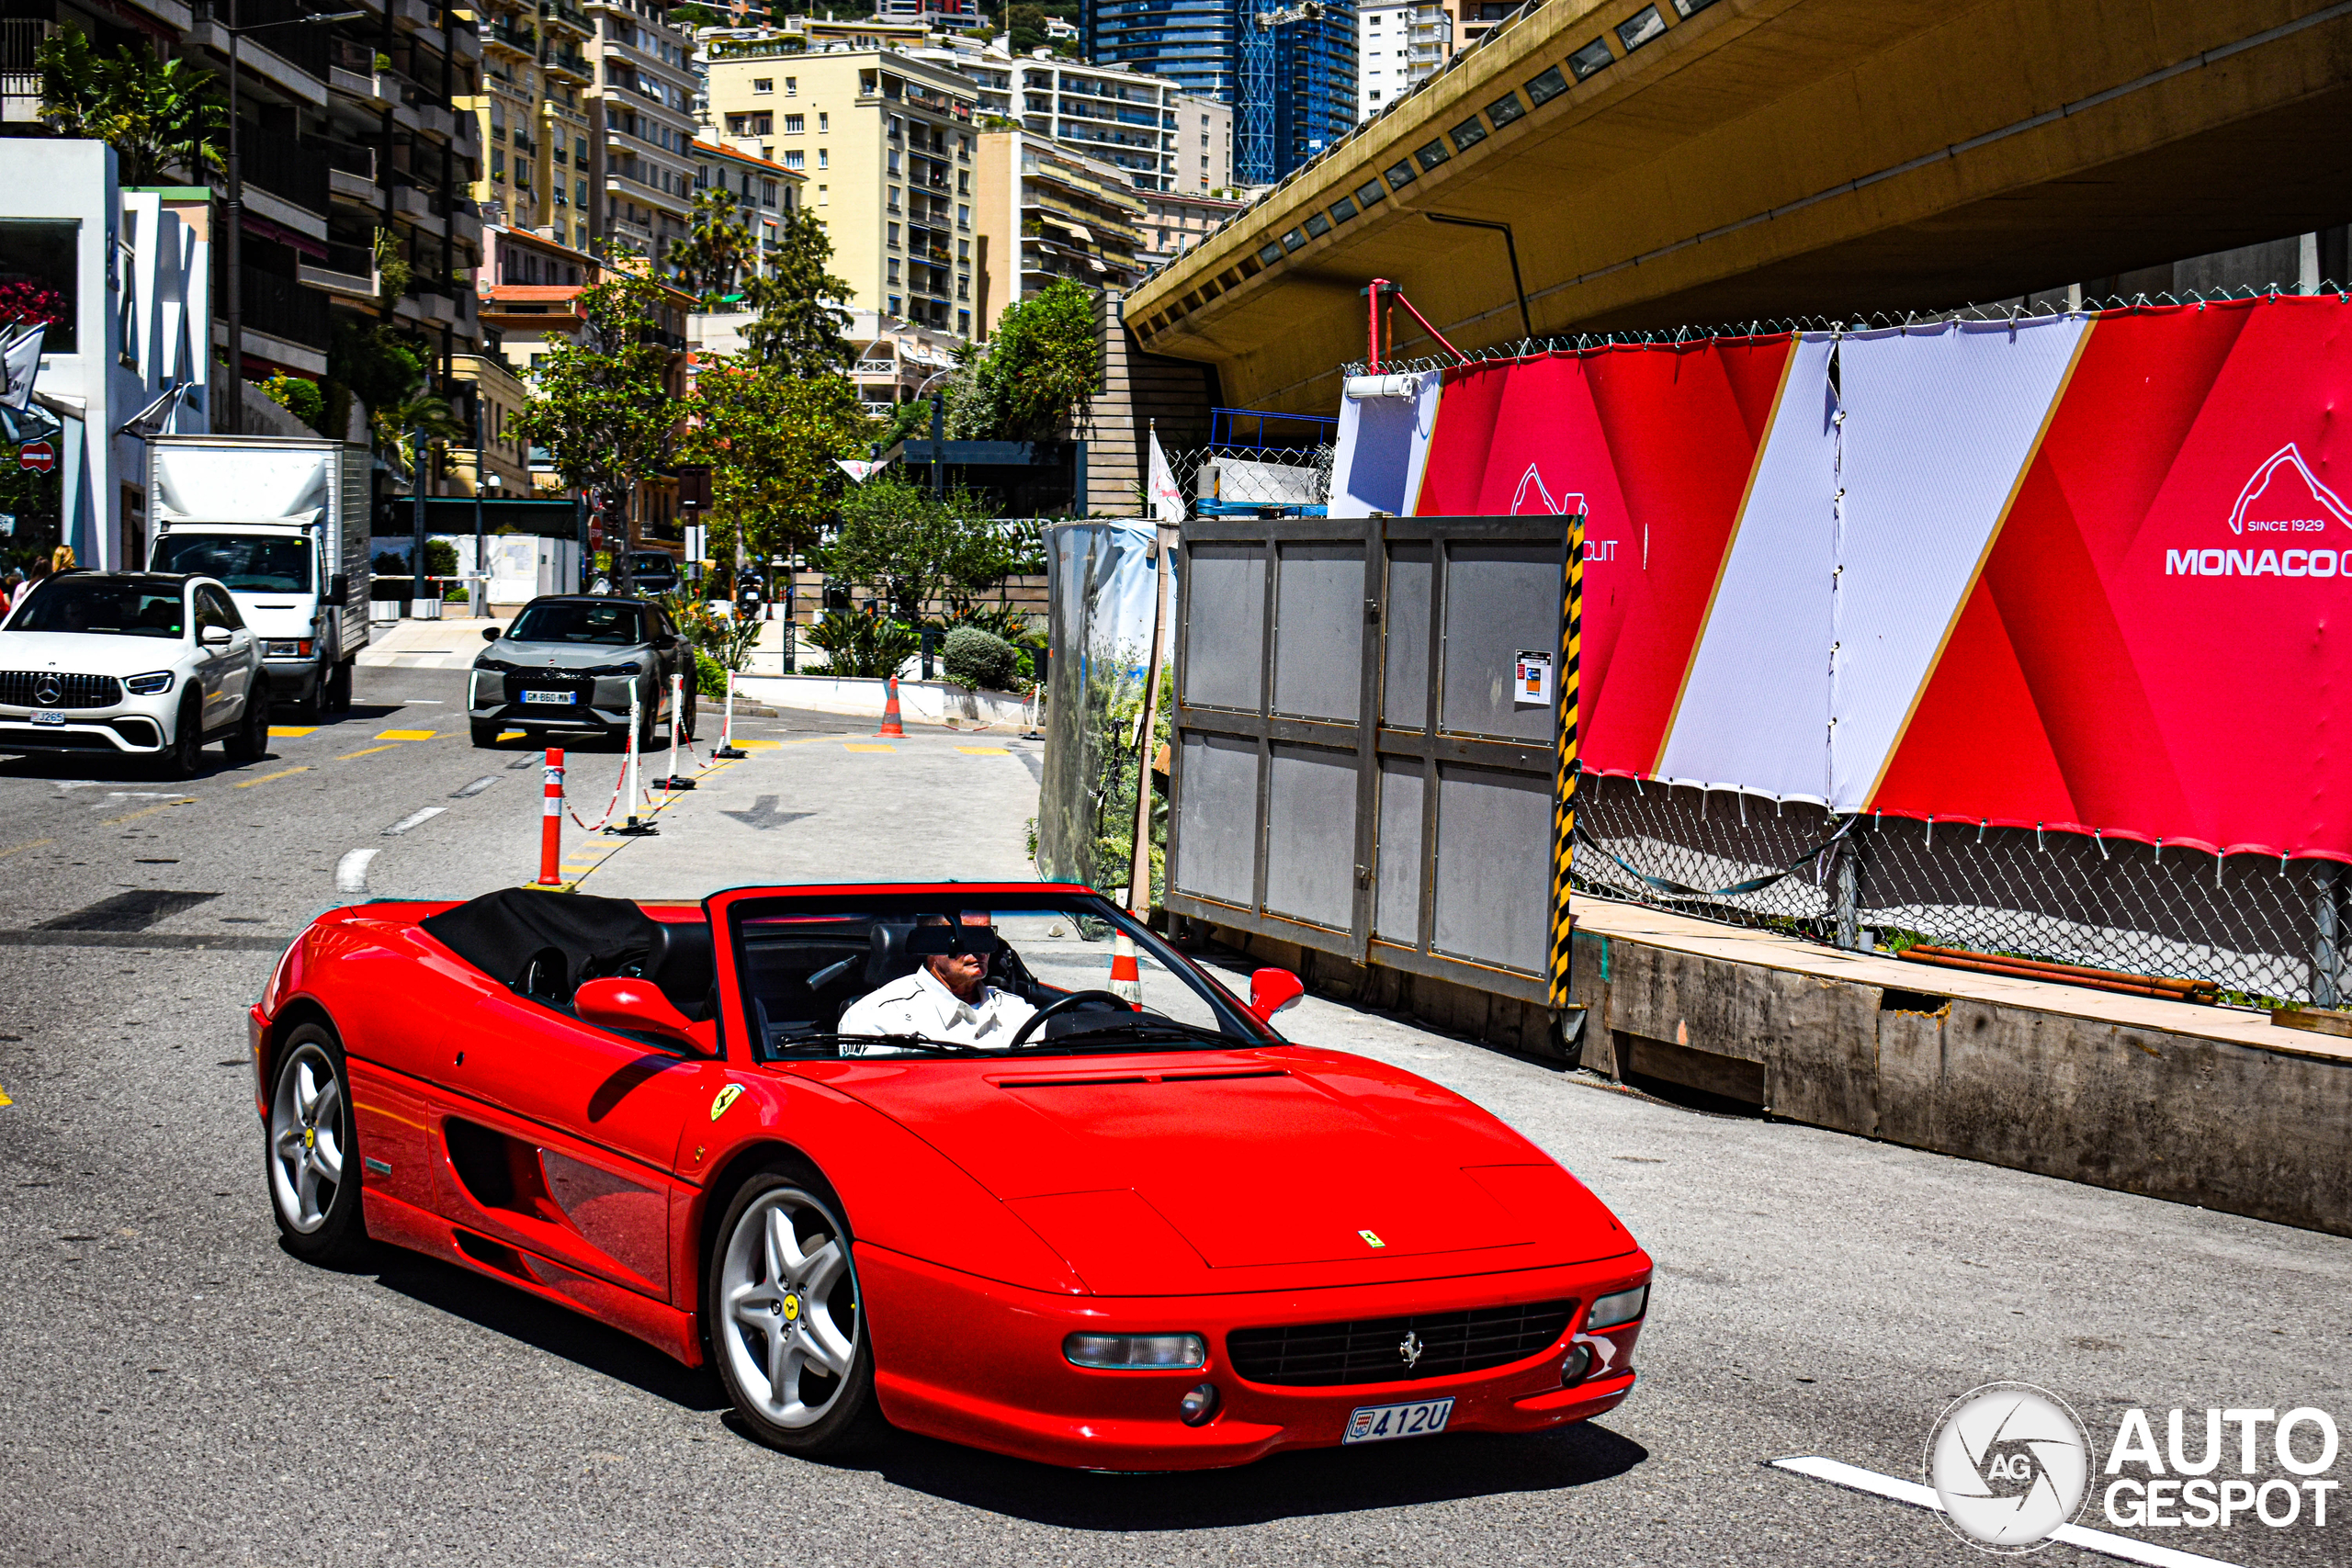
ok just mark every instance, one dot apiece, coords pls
pixel 1563 810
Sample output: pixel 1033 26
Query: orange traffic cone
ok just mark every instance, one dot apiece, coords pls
pixel 890 725
pixel 1125 981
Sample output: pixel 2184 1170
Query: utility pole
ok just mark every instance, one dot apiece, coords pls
pixel 481 594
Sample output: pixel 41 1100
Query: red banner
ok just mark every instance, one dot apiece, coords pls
pixel 2083 575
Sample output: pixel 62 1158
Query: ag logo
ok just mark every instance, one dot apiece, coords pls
pixel 2010 1464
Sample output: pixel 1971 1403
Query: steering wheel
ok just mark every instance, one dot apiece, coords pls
pixel 1066 1003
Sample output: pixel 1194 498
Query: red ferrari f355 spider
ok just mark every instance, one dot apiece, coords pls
pixel 936 1156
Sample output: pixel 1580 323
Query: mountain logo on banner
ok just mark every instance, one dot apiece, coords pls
pixel 1569 504
pixel 2285 497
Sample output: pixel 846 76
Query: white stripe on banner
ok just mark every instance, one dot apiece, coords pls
pixel 1940 425
pixel 1384 425
pixel 1756 703
pixel 1857 550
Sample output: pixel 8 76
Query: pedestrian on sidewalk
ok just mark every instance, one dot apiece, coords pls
pixel 12 588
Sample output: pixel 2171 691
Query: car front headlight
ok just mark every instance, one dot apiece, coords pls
pixel 616 671
pixel 1137 1352
pixel 496 666
pixel 1615 1312
pixel 153 684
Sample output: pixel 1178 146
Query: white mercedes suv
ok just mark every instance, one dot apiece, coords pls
pixel 132 664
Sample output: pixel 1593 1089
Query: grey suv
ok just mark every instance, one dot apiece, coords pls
pixel 567 664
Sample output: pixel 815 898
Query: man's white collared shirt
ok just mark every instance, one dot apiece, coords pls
pixel 920 1004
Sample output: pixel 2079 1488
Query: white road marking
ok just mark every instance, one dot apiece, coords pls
pixel 351 871
pixel 1917 1496
pixel 474 789
pixel 414 818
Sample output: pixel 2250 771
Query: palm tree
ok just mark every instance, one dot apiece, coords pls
pixel 161 116
pixel 398 424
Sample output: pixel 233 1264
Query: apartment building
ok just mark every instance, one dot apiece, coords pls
pixel 1049 212
pixel 532 118
pixel 642 127
pixel 1125 118
pixel 1174 222
pixel 886 141
pixel 766 193
pixel 895 359
pixel 1204 145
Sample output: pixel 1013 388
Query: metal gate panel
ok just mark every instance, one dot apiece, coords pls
pixel 1410 826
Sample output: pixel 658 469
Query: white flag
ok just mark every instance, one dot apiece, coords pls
pixel 1167 501
pixel 23 360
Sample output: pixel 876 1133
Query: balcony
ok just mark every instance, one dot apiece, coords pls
pixel 349 272
pixel 505 35
pixel 565 16
pixel 282 308
pixel 286 169
pixel 570 62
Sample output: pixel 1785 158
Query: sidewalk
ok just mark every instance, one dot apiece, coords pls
pixel 448 644
pixel 820 798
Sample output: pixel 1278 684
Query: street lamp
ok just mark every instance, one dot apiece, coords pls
pixel 235 214
pixel 938 429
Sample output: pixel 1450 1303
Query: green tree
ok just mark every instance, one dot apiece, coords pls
pixel 916 548
pixel 770 439
pixel 162 117
pixel 712 258
pixel 799 326
pixel 398 424
pixel 1036 374
pixel 600 404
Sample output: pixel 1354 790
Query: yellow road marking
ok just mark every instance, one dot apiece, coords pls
pixel 408 735
pixel 985 750
pixel 185 800
pixel 28 845
pixel 363 751
pixel 291 731
pixel 759 745
pixel 852 746
pixel 281 773
pixel 3 1098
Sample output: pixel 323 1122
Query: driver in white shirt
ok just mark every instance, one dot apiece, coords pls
pixel 948 997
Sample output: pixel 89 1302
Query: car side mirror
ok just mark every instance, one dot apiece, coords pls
pixel 1271 990
pixel 338 592
pixel 213 636
pixel 491 633
pixel 629 1004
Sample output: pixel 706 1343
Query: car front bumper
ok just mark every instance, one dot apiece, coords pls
pixel 605 713
pixel 980 1363
pixel 132 728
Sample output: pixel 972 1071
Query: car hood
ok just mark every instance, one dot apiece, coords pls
pixel 86 653
pixel 563 655
pixel 1159 1174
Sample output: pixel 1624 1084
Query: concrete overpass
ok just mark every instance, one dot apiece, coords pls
pixel 1775 158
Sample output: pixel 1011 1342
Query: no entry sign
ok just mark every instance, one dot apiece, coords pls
pixel 39 456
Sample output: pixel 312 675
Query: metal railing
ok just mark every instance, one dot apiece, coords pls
pixel 284 309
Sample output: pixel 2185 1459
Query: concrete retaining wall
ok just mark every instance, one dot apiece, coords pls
pixel 930 702
pixel 2168 1114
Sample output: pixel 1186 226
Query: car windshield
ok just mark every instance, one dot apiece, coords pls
pixel 933 975
pixel 106 606
pixel 597 622
pixel 269 566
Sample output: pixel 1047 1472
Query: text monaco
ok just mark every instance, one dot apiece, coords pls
pixel 2247 563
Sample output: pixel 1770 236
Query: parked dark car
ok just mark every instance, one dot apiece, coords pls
pixel 568 662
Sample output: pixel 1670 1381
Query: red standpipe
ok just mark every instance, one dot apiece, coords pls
pixel 551 824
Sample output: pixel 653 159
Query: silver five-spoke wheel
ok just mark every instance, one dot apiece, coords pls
pixel 787 1307
pixel 306 1121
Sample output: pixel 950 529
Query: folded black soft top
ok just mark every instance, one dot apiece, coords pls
pixel 501 932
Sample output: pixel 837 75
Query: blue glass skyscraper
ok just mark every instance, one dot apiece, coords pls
pixel 1292 85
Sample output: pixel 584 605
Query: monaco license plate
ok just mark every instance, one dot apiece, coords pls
pixel 565 698
pixel 49 715
pixel 1378 1423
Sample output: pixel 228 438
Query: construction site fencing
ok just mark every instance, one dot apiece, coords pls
pixel 1242 481
pixel 2261 929
pixel 1092 697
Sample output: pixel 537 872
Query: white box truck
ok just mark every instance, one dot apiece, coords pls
pixel 284 523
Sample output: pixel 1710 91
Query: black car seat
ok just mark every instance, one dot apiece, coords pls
pixel 886 958
pixel 680 961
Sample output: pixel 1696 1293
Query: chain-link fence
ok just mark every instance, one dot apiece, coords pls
pixel 2258 928
pixel 1240 481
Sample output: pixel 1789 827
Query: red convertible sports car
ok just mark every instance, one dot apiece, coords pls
pixel 1051 1191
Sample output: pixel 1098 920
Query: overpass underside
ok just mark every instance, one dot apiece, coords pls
pixel 1772 159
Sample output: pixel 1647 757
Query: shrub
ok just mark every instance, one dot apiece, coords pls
pixel 710 676
pixel 297 397
pixel 978 659
pixel 863 645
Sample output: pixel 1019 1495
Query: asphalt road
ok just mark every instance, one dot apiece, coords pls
pixel 178 1390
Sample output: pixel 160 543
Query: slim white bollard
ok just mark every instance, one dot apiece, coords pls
pixel 726 748
pixel 677 780
pixel 634 826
